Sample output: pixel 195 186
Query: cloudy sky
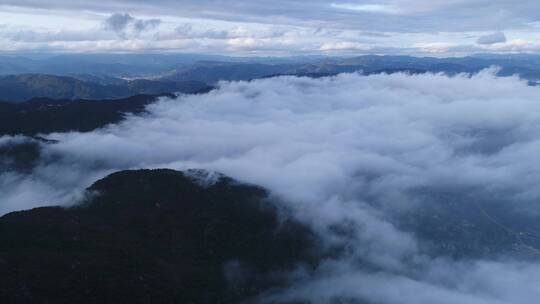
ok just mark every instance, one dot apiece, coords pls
pixel 279 27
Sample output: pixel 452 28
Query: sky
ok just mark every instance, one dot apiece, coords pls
pixel 272 28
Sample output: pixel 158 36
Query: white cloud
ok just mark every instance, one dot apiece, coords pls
pixel 394 26
pixel 343 46
pixel 464 283
pixel 331 109
pixel 349 152
pixel 369 8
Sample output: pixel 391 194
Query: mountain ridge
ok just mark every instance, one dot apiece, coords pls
pixel 44 115
pixel 23 87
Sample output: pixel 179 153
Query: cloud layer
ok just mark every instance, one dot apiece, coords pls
pixel 385 26
pixel 355 157
pixel 400 16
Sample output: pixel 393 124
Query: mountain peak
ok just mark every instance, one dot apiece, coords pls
pixel 152 234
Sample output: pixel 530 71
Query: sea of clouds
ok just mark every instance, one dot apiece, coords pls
pixel 350 155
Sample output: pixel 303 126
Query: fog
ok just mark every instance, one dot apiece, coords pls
pixel 363 160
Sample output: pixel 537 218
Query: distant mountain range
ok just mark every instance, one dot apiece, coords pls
pixel 108 68
pixel 211 72
pixel 119 65
pixel 115 76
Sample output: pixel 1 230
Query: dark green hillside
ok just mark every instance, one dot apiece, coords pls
pixel 19 88
pixel 151 237
pixel 42 115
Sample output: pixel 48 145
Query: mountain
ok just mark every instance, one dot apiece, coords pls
pixel 17 88
pixel 123 65
pixel 43 115
pixel 527 66
pixel 212 72
pixel 465 225
pixel 97 76
pixel 20 156
pixel 144 86
pixel 152 236
pixel 109 65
